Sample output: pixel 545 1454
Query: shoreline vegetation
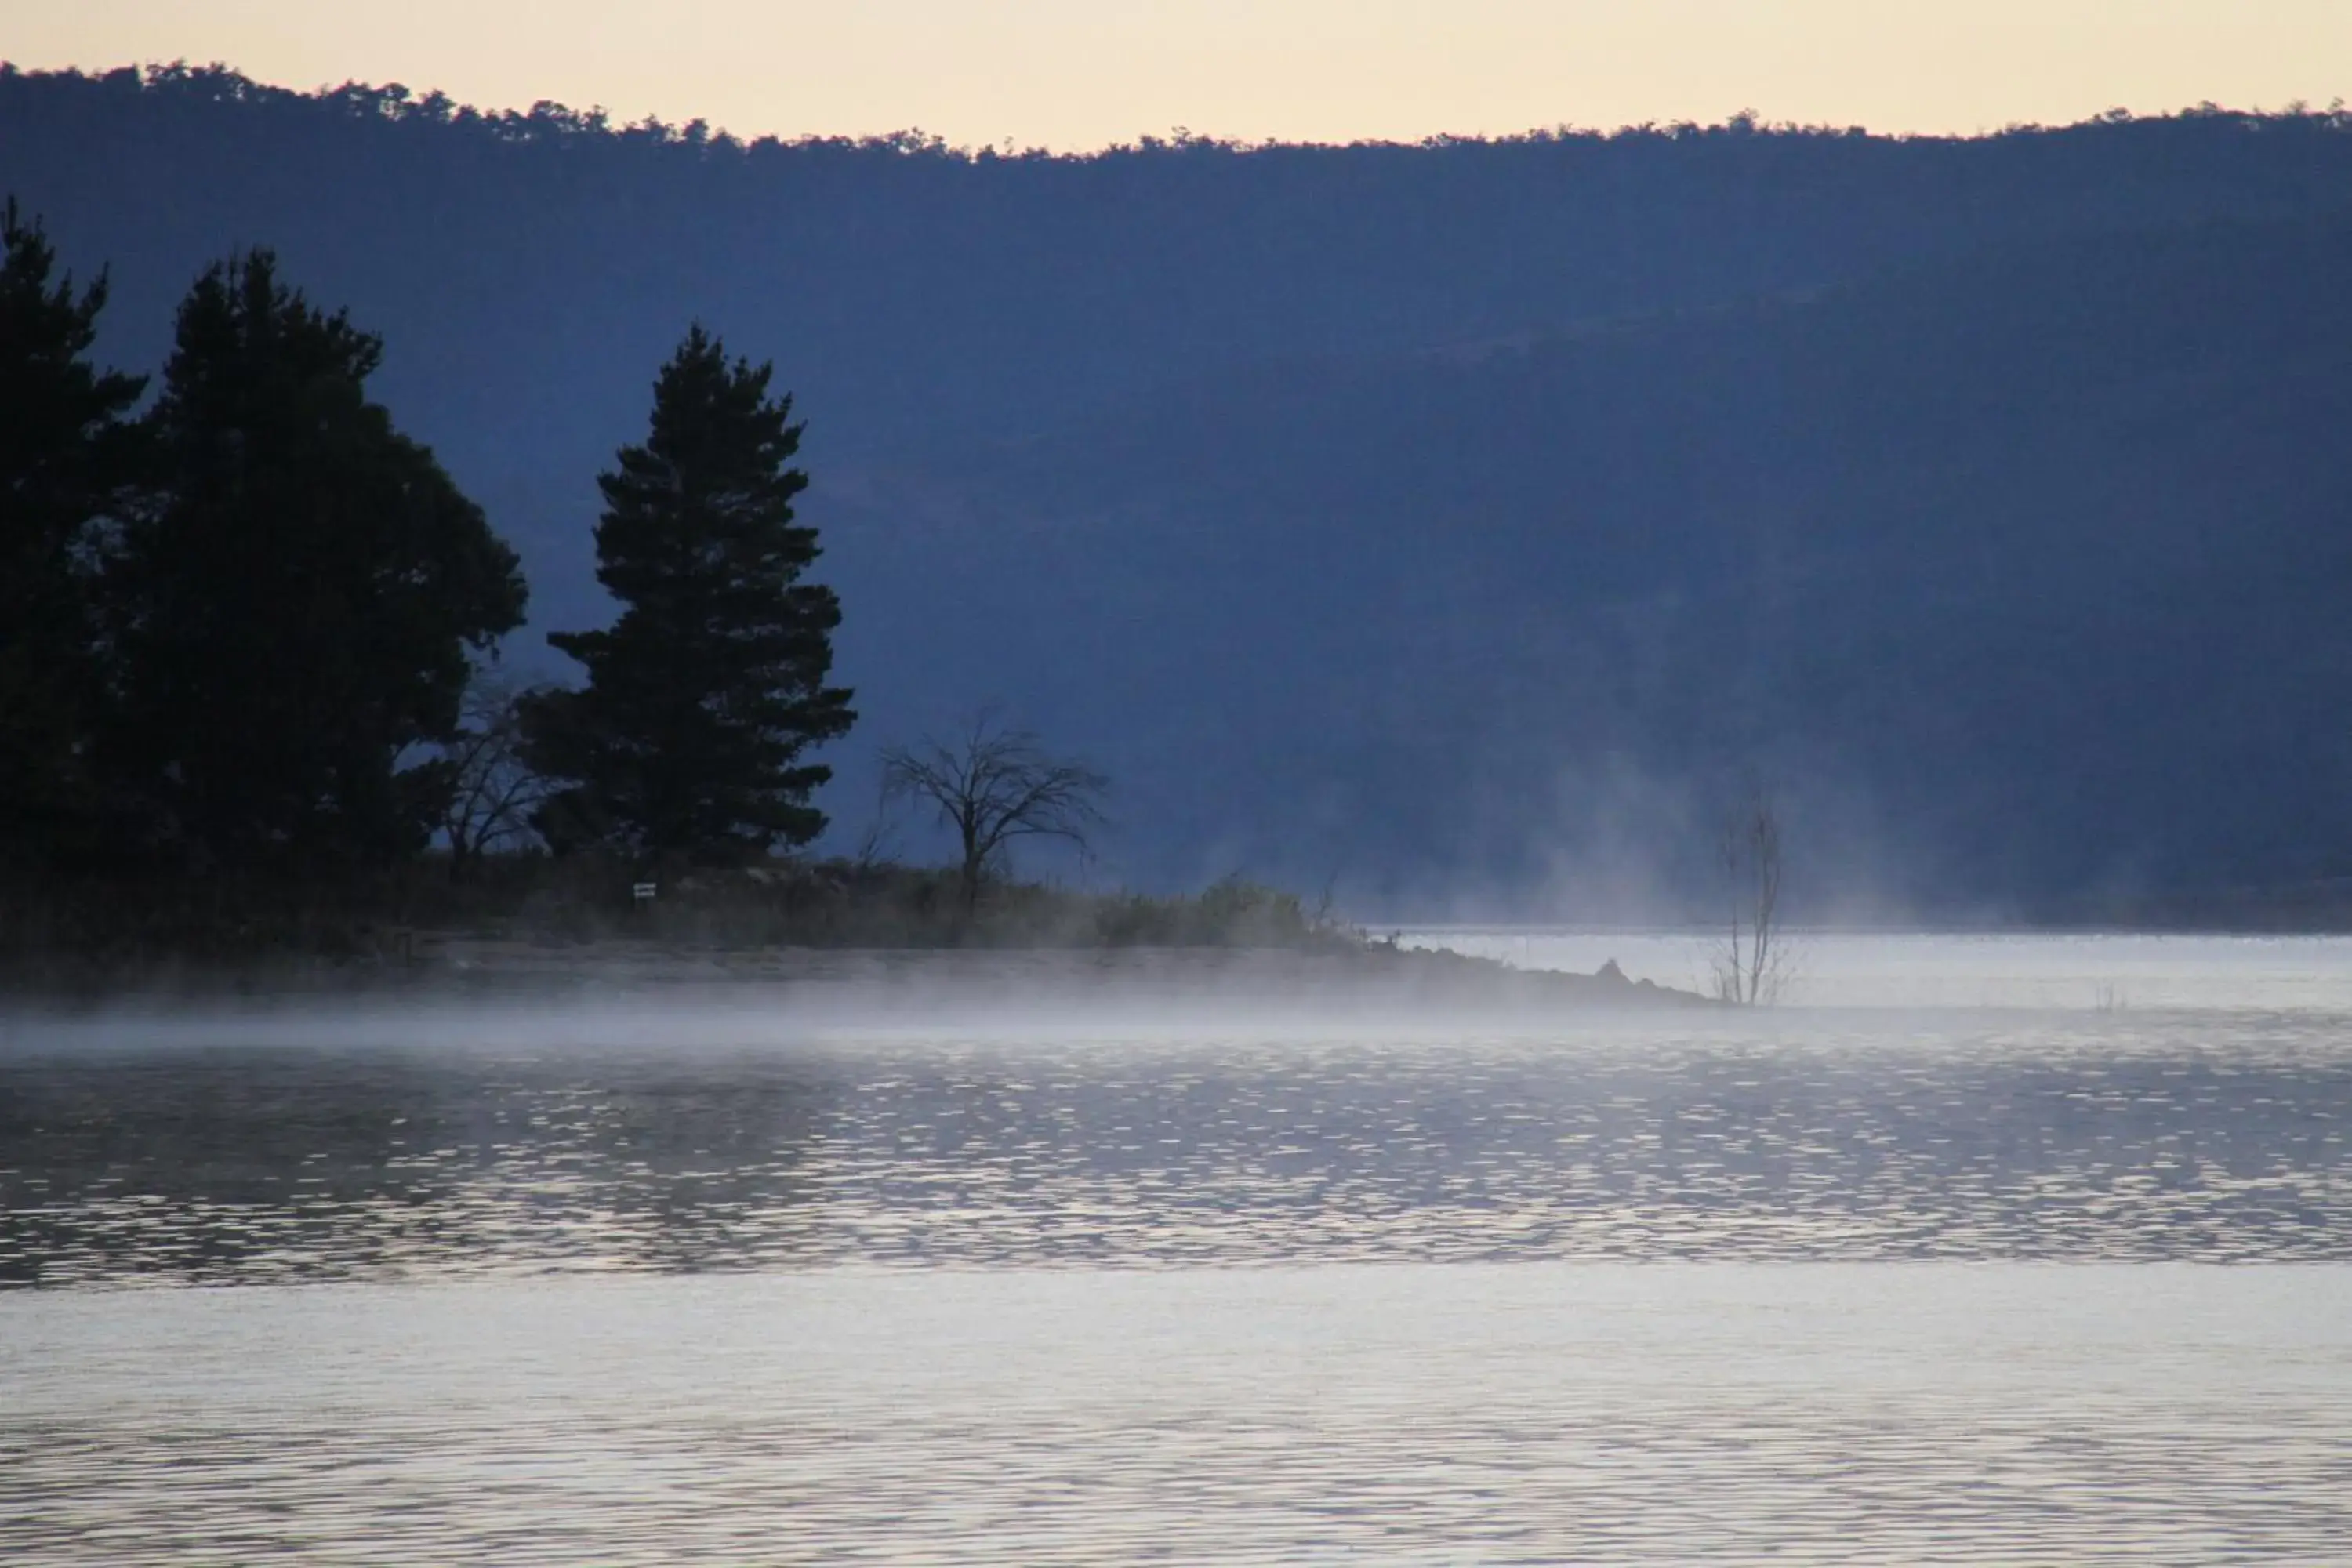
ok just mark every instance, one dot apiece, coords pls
pixel 246 753
pixel 535 924
pixel 259 726
pixel 532 923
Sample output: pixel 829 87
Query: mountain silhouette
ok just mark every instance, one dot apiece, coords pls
pixel 1450 520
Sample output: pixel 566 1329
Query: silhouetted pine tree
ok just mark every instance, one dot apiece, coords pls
pixel 295 601
pixel 61 466
pixel 701 698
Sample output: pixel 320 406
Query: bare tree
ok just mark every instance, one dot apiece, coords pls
pixel 1751 967
pixel 493 792
pixel 991 787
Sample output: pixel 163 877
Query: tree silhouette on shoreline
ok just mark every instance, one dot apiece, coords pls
pixel 63 463
pixel 293 600
pixel 688 736
pixel 993 787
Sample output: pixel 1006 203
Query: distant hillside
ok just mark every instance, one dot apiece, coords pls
pixel 1442 519
pixel 2028 571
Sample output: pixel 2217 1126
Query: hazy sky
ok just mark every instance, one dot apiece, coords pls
pixel 1077 73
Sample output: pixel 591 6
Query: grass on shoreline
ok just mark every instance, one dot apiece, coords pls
pixel 93 926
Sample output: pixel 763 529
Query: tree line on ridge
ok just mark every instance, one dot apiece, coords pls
pixel 238 629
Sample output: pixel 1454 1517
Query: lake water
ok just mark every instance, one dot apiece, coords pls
pixel 1911 970
pixel 1991 1251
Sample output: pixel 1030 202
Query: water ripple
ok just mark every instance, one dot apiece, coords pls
pixel 1531 1414
pixel 2157 1139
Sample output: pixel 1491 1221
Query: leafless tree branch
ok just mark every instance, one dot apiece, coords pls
pixel 1751 967
pixel 993 787
pixel 494 791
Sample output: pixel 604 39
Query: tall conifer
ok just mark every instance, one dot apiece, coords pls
pixel 295 603
pixel 689 738
pixel 61 468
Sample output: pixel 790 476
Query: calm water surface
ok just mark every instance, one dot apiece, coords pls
pixel 2053 1266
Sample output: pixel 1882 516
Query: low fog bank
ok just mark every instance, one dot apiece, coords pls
pixel 1615 843
pixel 521 995
pixel 1618 842
pixel 1901 978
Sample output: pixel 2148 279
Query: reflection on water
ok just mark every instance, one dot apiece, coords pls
pixel 1671 1413
pixel 2140 1138
pixel 1829 1286
pixel 2146 1138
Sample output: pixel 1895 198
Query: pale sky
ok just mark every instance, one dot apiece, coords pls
pixel 1083 73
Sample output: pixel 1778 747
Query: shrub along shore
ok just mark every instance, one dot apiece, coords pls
pixel 536 920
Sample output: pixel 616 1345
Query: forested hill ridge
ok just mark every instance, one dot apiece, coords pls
pixel 1443 519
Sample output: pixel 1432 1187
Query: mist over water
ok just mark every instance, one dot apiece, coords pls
pixel 1909 971
pixel 2139 1138
pixel 2056 1266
